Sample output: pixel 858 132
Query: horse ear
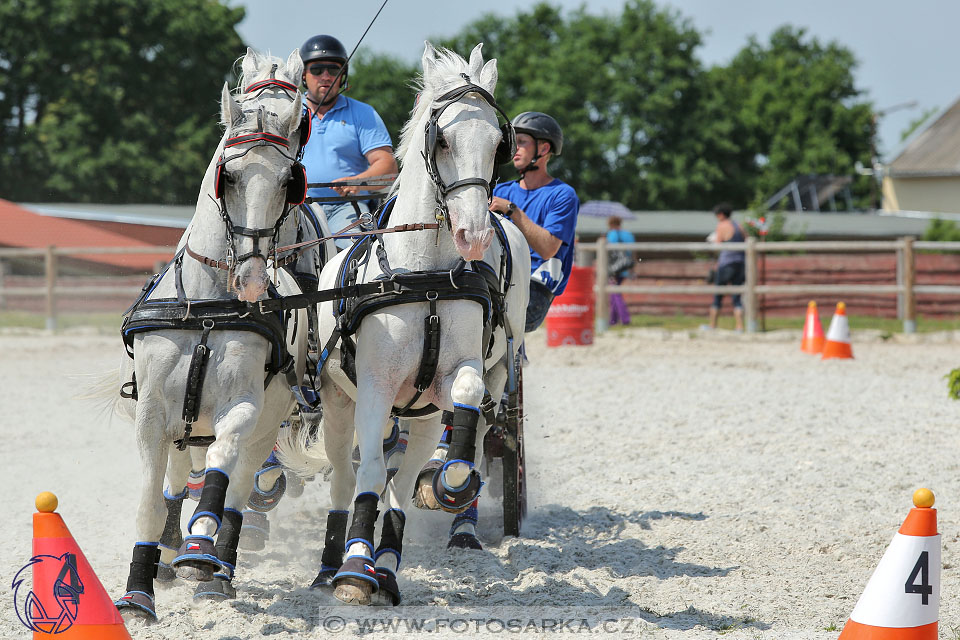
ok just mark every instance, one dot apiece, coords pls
pixel 476 61
pixel 230 109
pixel 488 76
pixel 429 61
pixel 291 116
pixel 294 66
pixel 250 64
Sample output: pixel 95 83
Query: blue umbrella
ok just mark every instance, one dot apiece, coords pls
pixel 606 209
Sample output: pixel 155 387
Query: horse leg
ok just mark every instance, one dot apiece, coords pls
pixel 463 531
pixel 457 483
pixel 197 557
pixel 337 425
pixel 228 536
pixel 138 601
pixel 356 581
pixel 419 435
pixel 423 497
pixel 178 468
pixel 198 468
pixel 269 485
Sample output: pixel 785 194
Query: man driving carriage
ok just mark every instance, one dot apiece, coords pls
pixel 348 140
pixel 544 208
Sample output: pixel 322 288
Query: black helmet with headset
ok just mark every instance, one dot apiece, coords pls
pixel 540 126
pixel 324 47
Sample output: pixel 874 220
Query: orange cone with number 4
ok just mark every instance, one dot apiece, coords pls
pixel 812 331
pixel 838 335
pixel 902 599
pixel 67 600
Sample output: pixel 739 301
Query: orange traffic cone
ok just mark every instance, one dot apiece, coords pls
pixel 67 598
pixel 812 331
pixel 902 599
pixel 838 336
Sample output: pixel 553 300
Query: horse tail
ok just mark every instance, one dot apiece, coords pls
pixel 301 450
pixel 103 391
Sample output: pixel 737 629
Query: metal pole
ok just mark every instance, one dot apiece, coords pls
pixel 909 279
pixel 750 298
pixel 50 266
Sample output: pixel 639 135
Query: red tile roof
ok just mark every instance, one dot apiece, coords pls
pixel 22 228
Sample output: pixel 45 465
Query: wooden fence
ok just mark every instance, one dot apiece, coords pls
pixel 903 284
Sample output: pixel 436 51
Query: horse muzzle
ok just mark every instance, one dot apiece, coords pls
pixel 471 245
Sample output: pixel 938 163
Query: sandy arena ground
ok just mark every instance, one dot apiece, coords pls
pixel 684 486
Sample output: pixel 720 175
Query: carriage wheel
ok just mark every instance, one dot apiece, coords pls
pixel 514 478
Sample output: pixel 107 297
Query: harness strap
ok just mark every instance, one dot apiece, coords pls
pixel 194 386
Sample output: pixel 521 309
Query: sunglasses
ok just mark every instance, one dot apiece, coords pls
pixel 318 69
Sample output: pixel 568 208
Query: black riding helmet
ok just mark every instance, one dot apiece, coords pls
pixel 324 47
pixel 540 126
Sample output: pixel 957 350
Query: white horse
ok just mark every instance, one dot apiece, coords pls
pixel 207 363
pixel 425 349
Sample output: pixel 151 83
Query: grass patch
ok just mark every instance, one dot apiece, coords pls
pixel 888 326
pixel 104 322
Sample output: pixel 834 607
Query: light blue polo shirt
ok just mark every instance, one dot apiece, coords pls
pixel 554 206
pixel 339 143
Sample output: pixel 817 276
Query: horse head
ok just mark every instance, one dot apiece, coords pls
pixel 259 178
pixel 459 117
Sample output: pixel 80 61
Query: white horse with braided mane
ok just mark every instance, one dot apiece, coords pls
pixel 438 345
pixel 207 363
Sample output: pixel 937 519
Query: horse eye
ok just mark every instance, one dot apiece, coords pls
pixel 442 142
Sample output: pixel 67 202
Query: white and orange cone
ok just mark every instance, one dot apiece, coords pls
pixel 838 335
pixel 902 599
pixel 813 338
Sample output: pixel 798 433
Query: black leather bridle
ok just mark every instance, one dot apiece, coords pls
pixel 433 134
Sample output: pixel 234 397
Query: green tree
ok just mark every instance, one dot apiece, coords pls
pixel 625 88
pixel 796 110
pixel 111 100
pixel 386 84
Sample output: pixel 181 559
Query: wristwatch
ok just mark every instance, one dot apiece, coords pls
pixel 510 209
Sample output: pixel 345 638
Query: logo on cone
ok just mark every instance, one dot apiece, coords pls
pixel 65 598
pixel 813 337
pixel 838 336
pixel 902 598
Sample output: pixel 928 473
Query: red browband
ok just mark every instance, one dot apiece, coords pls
pixel 253 137
pixel 270 82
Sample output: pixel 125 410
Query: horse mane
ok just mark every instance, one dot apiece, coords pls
pixel 262 72
pixel 446 76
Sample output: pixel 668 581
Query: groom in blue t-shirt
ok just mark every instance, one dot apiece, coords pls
pixel 543 208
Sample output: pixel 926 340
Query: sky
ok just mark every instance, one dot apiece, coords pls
pixel 907 51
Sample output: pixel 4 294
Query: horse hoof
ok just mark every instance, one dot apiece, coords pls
pixel 423 497
pixel 464 541
pixel 456 500
pixel 165 573
pixel 196 559
pixel 324 580
pixel 263 501
pixel 388 593
pixel 254 531
pixel 356 581
pixel 295 488
pixel 136 605
pixel 353 591
pixel 218 589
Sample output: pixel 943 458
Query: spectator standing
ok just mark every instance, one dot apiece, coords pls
pixel 731 265
pixel 621 264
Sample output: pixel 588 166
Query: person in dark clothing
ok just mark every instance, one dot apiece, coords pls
pixel 731 265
